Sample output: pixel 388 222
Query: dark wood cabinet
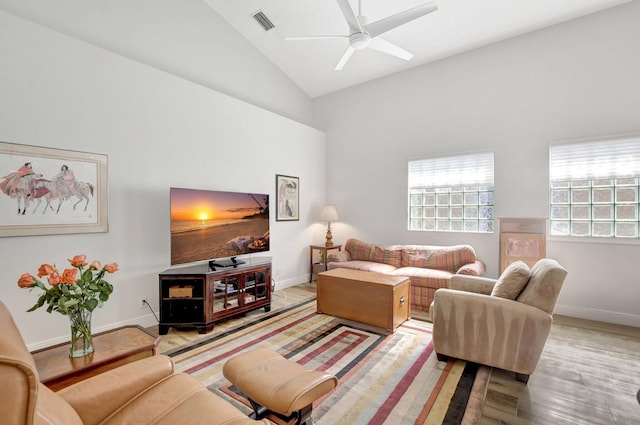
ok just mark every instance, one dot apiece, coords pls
pixel 197 296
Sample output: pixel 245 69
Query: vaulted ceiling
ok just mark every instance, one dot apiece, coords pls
pixel 456 26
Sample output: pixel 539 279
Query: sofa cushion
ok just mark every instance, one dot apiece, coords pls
pixel 424 284
pixel 368 266
pixel 334 255
pixel 364 251
pixel 425 277
pixel 449 258
pixel 512 281
pixel 393 255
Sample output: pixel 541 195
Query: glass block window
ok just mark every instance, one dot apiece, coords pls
pixel 452 194
pixel 594 188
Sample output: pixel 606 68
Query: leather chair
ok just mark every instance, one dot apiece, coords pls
pixel 147 391
pixel 471 324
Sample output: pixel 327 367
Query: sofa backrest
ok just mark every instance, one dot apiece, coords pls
pixel 543 288
pixel 449 258
pixel 25 400
pixel 363 251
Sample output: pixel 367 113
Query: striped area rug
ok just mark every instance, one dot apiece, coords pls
pixel 383 378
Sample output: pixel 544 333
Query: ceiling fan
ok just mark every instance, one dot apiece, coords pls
pixel 362 34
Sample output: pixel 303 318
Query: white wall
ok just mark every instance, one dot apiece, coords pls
pixel 579 79
pixel 158 131
pixel 185 38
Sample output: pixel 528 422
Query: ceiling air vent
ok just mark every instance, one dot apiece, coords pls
pixel 262 19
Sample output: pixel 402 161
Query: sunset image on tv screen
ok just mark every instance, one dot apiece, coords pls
pixel 207 224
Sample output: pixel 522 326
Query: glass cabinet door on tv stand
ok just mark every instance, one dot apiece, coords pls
pixel 198 297
pixel 237 291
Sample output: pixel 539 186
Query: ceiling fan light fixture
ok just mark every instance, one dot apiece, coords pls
pixel 359 40
pixel 363 34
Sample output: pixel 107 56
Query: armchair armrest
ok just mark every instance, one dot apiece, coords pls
pixel 477 284
pixel 97 397
pixel 489 330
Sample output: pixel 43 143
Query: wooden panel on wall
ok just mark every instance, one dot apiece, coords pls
pixel 522 239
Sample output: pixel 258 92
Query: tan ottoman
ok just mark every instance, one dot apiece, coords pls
pixel 275 384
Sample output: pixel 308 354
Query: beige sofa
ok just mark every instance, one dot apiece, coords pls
pixel 481 321
pixel 428 267
pixel 147 391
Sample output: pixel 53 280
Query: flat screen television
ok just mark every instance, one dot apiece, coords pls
pixel 210 224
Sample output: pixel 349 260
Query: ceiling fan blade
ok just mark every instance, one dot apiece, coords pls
pixel 387 24
pixel 350 16
pixel 389 48
pixel 315 37
pixel 345 58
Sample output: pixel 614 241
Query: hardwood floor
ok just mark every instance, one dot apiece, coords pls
pixel 589 372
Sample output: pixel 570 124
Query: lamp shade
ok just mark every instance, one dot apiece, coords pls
pixel 329 213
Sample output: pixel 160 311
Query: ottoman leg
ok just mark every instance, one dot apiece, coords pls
pixel 302 416
pixel 259 411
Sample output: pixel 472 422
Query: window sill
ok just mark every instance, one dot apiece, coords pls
pixel 594 240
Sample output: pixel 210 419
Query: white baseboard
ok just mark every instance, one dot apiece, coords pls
pixel 144 321
pixel 48 343
pixel 149 320
pixel 287 283
pixel 599 315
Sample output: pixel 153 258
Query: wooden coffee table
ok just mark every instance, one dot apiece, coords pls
pixel 113 348
pixel 372 298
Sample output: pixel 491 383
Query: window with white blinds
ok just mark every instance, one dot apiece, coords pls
pixel 594 188
pixel 453 193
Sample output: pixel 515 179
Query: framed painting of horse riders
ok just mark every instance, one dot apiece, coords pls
pixel 47 191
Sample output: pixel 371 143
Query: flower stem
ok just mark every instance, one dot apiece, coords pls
pixel 81 339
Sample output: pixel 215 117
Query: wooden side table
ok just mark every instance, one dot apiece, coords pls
pixel 321 266
pixel 113 348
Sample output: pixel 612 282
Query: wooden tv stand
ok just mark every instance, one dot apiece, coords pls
pixel 197 296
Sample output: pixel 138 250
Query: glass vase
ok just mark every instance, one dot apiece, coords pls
pixel 81 341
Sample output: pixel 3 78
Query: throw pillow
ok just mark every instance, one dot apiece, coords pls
pixel 512 281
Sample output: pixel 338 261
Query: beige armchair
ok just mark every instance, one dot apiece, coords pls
pixel 471 324
pixel 147 391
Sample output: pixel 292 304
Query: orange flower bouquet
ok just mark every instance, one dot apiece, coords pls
pixel 75 292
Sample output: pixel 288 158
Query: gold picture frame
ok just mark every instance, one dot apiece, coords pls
pixel 47 191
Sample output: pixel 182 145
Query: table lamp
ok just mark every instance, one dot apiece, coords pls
pixel 329 214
